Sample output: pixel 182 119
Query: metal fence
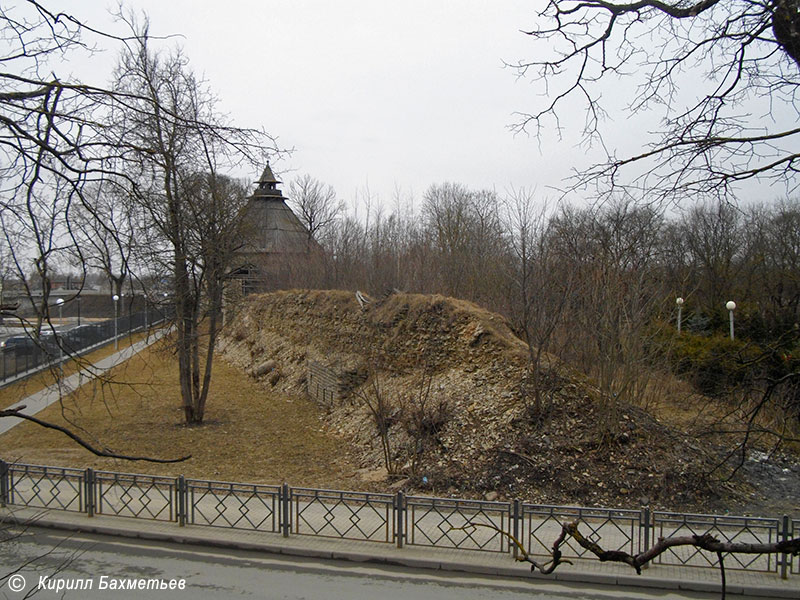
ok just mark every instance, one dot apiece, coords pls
pixel 614 529
pixel 23 353
pixel 451 523
pixel 726 529
pixel 794 533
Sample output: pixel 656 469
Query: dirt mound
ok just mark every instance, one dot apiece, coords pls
pixel 452 382
pixel 406 329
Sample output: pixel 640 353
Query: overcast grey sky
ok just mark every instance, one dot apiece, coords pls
pixel 385 94
pixel 389 95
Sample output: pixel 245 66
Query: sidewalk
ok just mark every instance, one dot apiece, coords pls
pixel 763 585
pixel 44 398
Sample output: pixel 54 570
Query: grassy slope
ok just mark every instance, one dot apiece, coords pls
pixel 250 435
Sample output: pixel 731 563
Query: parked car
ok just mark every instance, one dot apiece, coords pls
pixel 21 345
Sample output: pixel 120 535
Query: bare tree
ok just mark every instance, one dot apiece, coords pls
pixel 704 67
pixel 55 144
pixel 713 235
pixel 467 235
pixel 776 262
pixel 540 288
pixel 37 241
pixel 423 414
pixel 174 145
pixel 316 205
pixel 374 397
pixel 611 253
pixel 106 227
pixel 215 224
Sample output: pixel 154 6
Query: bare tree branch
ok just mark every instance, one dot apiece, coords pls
pixel 16 412
pixel 723 76
pixel 705 542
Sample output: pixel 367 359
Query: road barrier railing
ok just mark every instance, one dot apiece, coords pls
pixel 614 529
pixel 338 514
pixel 229 504
pixel 725 528
pixel 450 523
pixel 457 523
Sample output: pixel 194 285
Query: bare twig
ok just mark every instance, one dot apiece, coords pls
pixel 16 412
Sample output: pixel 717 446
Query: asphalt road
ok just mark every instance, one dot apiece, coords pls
pixel 51 562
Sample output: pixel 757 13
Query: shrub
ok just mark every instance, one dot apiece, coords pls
pixel 713 364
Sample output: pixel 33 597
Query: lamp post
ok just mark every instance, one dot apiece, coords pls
pixel 115 298
pixel 60 303
pixel 78 298
pixel 731 306
pixel 679 303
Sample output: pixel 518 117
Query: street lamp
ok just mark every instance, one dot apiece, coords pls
pixel 60 303
pixel 679 303
pixel 731 306
pixel 78 298
pixel 115 298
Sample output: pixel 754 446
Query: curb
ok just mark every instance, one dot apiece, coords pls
pixel 333 553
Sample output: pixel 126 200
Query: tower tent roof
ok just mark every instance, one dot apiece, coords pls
pixel 267 176
pixel 274 228
pixel 267 186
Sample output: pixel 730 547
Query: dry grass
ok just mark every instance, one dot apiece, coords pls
pixel 250 434
pixel 675 403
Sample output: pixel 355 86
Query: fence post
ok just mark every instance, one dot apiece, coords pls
pixel 399 513
pixel 286 517
pixel 645 531
pixel 89 491
pixel 4 483
pixel 784 536
pixel 180 492
pixel 516 517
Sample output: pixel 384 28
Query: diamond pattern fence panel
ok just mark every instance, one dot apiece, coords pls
pixel 455 523
pixel 725 529
pixel 612 529
pixel 46 487
pixel 345 515
pixel 132 495
pixel 233 505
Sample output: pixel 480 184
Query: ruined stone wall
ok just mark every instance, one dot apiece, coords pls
pixel 328 384
pixel 322 383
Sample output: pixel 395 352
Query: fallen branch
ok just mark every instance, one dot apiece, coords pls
pixel 15 412
pixel 705 542
pixel 523 556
